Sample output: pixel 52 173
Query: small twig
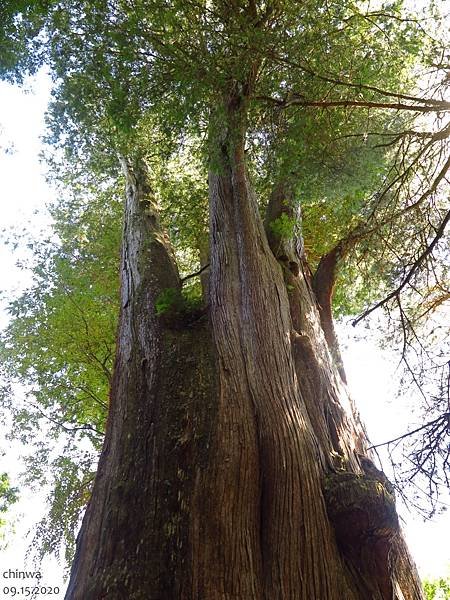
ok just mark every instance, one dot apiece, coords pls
pixel 443 105
pixel 360 86
pixel 445 416
pixel 84 427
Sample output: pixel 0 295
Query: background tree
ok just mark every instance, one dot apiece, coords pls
pixel 266 450
pixel 437 588
pixel 8 496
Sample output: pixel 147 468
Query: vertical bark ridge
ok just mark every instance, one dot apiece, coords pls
pixel 251 325
pixel 203 254
pixel 334 417
pixel 287 247
pixel 231 536
pixel 331 409
pixel 406 579
pixel 364 519
pixel 216 490
pixel 376 558
pixel 316 354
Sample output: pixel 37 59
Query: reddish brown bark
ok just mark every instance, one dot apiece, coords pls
pixel 232 456
pixel 289 249
pixel 251 325
pixel 135 533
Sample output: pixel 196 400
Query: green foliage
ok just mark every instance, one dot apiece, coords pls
pixel 20 49
pixel 74 476
pixel 437 589
pixel 8 496
pixel 170 301
pixel 59 348
pixel 180 184
pixel 167 301
pixel 360 281
pixel 192 295
pixel 60 343
pixel 283 226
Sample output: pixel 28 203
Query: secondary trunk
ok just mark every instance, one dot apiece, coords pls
pixel 233 464
pixel 323 285
pixel 135 533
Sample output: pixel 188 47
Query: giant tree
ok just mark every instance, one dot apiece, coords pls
pixel 234 463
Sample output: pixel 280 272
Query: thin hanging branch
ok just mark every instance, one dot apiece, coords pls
pixel 444 418
pixel 83 427
pixel 395 293
pixel 433 102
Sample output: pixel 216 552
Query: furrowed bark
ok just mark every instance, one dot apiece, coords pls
pixel 234 462
pixel 360 499
pixel 203 254
pixel 291 545
pixel 135 533
pixel 331 411
pixel 288 248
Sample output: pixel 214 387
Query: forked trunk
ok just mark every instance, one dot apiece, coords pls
pixel 233 465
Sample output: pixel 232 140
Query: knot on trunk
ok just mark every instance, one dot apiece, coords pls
pixel 361 508
pixel 362 511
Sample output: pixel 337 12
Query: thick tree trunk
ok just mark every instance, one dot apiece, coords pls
pixel 135 534
pixel 233 464
pixel 269 535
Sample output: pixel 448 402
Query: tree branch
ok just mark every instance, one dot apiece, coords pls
pixel 360 86
pixel 196 274
pixel 415 266
pixel 84 427
pixel 441 418
pixel 300 101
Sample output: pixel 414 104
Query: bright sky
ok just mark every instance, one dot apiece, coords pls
pixel 24 191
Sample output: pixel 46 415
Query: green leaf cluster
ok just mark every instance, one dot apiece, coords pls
pixel 60 342
pixel 57 352
pixel 167 301
pixel 74 473
pixel 8 496
pixel 437 589
pixel 284 226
